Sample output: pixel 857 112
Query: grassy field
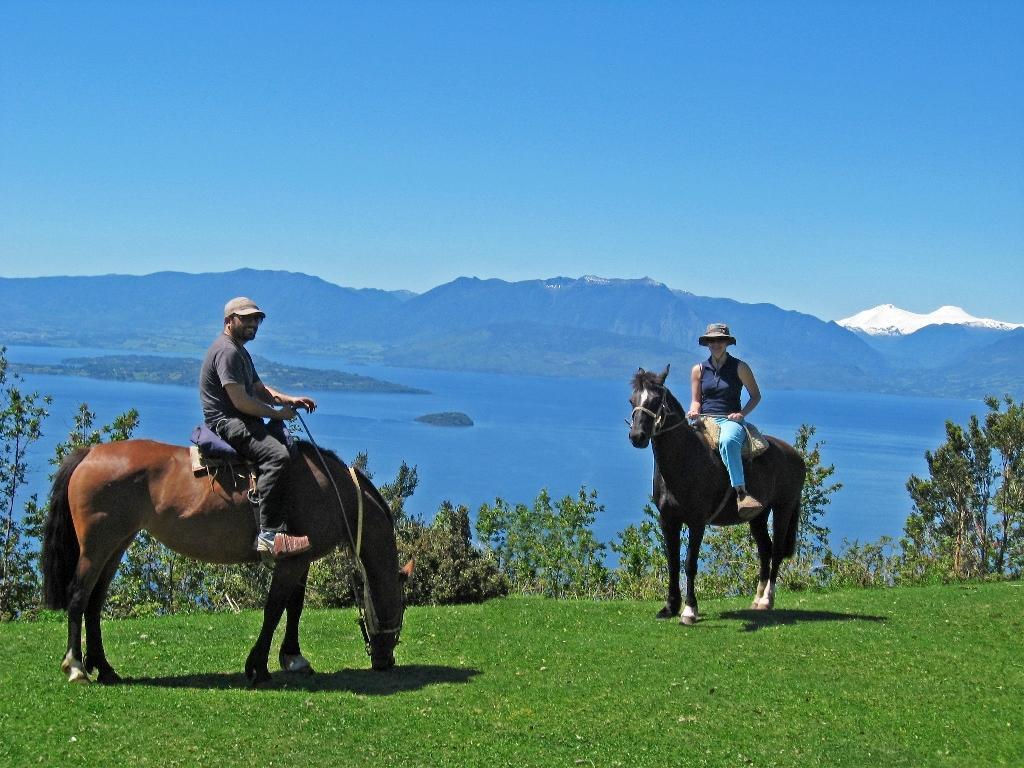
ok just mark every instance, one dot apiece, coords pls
pixel 908 677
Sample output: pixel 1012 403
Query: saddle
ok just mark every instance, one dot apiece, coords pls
pixel 753 446
pixel 210 451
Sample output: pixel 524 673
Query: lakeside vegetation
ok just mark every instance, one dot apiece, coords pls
pixel 152 369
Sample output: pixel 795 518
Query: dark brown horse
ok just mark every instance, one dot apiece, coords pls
pixel 691 487
pixel 102 497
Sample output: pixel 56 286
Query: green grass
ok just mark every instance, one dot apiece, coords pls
pixel 901 677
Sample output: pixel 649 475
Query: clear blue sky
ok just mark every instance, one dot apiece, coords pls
pixel 822 156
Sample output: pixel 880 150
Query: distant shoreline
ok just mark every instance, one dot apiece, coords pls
pixel 184 371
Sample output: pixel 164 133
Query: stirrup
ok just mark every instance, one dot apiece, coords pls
pixel 282 545
pixel 747 507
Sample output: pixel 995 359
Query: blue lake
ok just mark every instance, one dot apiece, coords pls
pixel 532 433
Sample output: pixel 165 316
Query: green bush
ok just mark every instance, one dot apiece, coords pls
pixel 449 568
pixel 549 548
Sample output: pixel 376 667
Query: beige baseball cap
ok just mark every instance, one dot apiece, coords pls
pixel 242 306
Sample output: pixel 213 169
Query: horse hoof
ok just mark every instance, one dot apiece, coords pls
pixel 296 663
pixel 109 678
pixel 74 669
pixel 258 677
pixel 761 605
pixel 688 617
pixel 78 675
pixel 666 613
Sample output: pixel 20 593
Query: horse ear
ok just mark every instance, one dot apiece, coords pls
pixel 640 371
pixel 664 374
pixel 406 571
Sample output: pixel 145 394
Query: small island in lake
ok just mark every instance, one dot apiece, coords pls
pixel 446 419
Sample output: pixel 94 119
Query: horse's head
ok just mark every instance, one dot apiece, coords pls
pixel 650 399
pixel 382 635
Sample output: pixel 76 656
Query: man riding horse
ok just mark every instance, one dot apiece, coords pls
pixel 235 403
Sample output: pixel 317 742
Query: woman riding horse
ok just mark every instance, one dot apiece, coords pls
pixel 692 487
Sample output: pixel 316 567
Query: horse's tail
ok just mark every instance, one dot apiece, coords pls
pixel 789 542
pixel 60 544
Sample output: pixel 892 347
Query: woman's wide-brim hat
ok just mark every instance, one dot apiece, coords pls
pixel 717 332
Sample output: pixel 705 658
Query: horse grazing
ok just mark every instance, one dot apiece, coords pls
pixel 691 487
pixel 103 496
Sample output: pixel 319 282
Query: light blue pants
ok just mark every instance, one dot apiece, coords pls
pixel 730 445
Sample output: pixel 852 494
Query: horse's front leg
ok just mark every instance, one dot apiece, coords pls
pixel 670 533
pixel 287 575
pixel 689 616
pixel 291 657
pixel 759 530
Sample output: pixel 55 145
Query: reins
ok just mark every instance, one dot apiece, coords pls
pixel 367 614
pixel 658 417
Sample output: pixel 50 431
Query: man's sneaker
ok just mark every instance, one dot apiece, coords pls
pixel 747 507
pixel 278 545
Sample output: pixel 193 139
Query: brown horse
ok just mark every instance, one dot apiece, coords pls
pixel 691 486
pixel 103 496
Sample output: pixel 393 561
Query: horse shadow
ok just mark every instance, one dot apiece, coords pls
pixel 758 620
pixel 366 682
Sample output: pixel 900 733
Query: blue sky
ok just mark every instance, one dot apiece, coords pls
pixel 824 157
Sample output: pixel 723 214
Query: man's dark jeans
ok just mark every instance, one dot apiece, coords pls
pixel 251 438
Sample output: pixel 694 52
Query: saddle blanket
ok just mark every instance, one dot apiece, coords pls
pixel 753 446
pixel 203 464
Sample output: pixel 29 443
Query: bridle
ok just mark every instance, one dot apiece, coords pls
pixel 659 416
pixel 369 624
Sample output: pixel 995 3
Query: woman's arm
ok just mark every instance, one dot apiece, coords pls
pixel 694 392
pixel 754 392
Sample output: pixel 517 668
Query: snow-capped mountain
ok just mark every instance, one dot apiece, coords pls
pixel 890 320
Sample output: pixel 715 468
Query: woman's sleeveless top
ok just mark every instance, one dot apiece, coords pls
pixel 720 390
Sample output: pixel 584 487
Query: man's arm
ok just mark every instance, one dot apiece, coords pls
pixel 271 395
pixel 258 406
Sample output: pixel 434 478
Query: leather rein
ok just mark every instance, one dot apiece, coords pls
pixel 368 621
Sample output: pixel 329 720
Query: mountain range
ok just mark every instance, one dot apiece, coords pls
pixel 574 327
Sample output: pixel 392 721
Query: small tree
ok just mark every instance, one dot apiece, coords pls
pixel 967 517
pixel 548 548
pixel 449 568
pixel 1005 431
pixel 21 419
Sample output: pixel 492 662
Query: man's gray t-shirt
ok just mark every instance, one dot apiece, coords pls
pixel 226 362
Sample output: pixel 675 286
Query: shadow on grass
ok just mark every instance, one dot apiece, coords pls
pixel 755 620
pixel 362 681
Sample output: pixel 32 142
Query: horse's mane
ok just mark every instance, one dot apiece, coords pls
pixel 305 446
pixel 642 379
